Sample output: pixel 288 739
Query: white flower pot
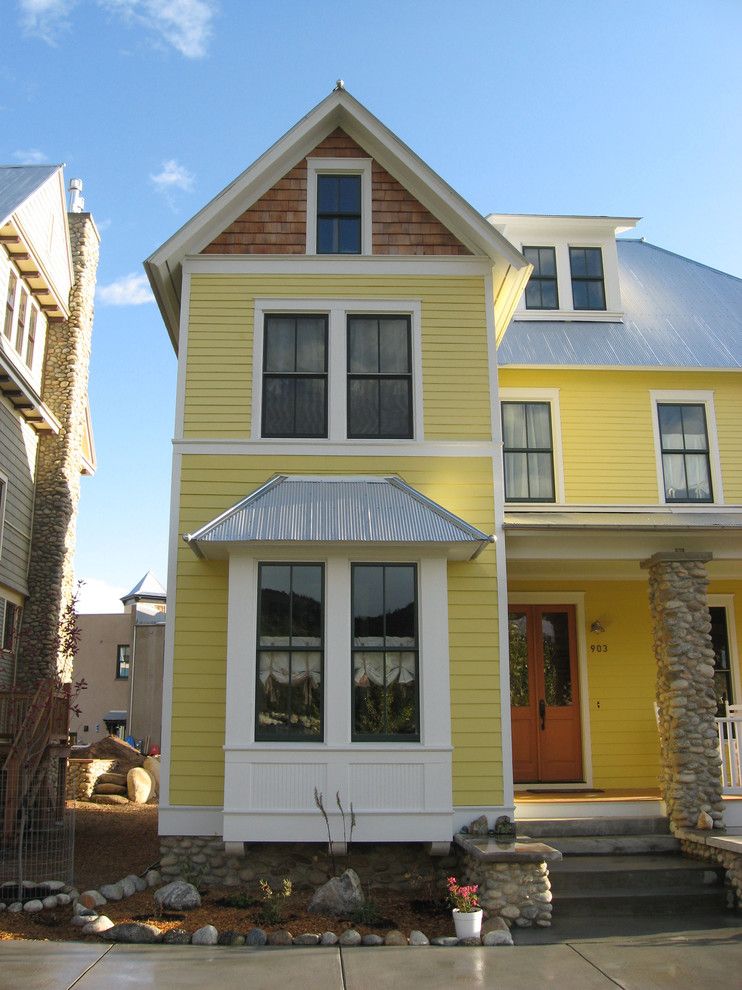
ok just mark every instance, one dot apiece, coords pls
pixel 468 924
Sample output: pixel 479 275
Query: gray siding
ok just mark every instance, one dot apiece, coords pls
pixel 18 462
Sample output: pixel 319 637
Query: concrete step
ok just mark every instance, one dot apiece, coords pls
pixel 682 901
pixel 629 875
pixel 611 845
pixel 552 827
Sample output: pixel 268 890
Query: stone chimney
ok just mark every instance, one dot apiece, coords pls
pixel 58 466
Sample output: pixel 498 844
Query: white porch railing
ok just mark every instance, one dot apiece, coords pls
pixel 730 751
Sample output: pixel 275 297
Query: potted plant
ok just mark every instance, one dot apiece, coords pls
pixel 467 914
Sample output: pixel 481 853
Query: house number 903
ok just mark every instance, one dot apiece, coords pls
pixel 598 647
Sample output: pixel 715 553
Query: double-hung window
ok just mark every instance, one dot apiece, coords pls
pixel 10 304
pixel 10 625
pixel 21 325
pixel 295 376
pixel 588 284
pixel 528 451
pixel 123 661
pixel 338 214
pixel 290 652
pixel 684 444
pixel 384 650
pixel 541 291
pixel 379 377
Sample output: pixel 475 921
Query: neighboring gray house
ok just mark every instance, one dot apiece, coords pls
pixel 48 262
pixel 120 658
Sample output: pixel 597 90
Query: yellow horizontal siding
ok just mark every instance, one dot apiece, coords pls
pixel 212 483
pixel 456 400
pixel 608 431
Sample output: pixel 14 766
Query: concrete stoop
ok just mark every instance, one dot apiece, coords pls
pixel 625 866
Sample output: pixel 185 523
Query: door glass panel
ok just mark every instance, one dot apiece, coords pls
pixel 557 671
pixel 518 633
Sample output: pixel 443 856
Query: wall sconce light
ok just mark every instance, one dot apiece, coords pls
pixel 597 627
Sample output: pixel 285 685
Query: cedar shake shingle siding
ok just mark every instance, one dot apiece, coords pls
pixel 277 222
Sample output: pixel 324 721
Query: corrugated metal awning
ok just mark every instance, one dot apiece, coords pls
pixel 348 510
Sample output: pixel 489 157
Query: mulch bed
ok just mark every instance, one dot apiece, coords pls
pixel 112 841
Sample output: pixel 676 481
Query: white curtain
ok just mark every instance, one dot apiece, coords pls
pixel 368 668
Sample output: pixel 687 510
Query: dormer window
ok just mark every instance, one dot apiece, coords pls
pixel 338 214
pixel 588 286
pixel 541 291
pixel 338 206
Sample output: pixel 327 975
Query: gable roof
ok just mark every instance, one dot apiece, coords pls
pixel 18 182
pixel 339 109
pixel 678 313
pixel 357 509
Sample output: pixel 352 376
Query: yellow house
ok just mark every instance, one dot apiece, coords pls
pixel 336 475
pixel 621 404
pixel 366 525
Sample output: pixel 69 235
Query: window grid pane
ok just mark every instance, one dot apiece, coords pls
pixel 541 291
pixel 294 376
pixel 338 214
pixel 290 651
pixel 686 465
pixel 379 377
pixel 588 286
pixel 528 452
pixel 385 700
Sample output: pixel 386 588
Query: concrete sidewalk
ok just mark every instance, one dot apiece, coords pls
pixel 657 962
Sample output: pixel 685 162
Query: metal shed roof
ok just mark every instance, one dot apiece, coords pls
pixel 365 510
pixel 18 182
pixel 677 314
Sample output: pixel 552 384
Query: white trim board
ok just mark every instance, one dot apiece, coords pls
pixel 332 264
pixel 328 448
pixel 639 808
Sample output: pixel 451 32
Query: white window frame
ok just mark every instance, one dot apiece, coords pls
pixel 339 166
pixel 3 502
pixel 551 396
pixel 337 312
pixel 692 398
pixel 9 343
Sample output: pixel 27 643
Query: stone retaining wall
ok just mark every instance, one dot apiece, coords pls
pixel 518 893
pixel 711 848
pixel 82 775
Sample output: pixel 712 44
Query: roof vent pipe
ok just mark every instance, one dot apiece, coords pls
pixel 77 202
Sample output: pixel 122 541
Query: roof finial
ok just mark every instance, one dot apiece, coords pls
pixel 339 84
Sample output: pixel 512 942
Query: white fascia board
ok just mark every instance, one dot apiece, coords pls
pixel 550 221
pixel 339 109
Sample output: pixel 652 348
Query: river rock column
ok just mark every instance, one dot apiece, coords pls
pixel 58 466
pixel 690 772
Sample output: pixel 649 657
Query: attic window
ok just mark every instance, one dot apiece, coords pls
pixel 339 206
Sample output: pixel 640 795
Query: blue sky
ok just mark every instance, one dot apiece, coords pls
pixel 552 106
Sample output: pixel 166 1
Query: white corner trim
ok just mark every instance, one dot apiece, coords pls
pixel 169 650
pixel 189 820
pixel 550 395
pixel 727 603
pixel 690 397
pixel 180 385
pixel 576 598
pixel 3 503
pixel 337 312
pixel 339 166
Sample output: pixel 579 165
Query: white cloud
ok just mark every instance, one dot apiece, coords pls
pixel 173 176
pixel 129 290
pixel 31 156
pixel 46 18
pixel 99 597
pixel 184 24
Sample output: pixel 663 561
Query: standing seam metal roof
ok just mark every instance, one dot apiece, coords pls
pixel 337 510
pixel 677 314
pixel 18 182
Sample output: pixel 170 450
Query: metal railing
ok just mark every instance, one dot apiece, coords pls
pixel 730 751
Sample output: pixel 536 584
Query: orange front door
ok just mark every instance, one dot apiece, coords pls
pixel 544 694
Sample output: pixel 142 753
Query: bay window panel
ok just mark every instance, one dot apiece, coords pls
pixel 289 681
pixel 368 606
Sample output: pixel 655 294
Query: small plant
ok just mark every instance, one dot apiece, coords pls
pixel 347 840
pixel 274 901
pixel 463 898
pixel 368 914
pixel 241 900
pixel 195 874
pixel 347 837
